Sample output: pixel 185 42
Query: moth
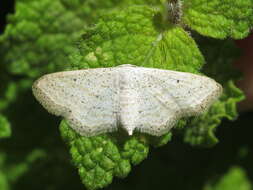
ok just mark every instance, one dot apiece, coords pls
pixel 149 100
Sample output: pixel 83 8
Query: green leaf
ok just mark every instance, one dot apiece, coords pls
pixel 15 171
pixel 99 158
pixel 8 93
pixel 10 173
pixel 135 36
pixel 5 129
pixel 219 18
pixel 3 182
pixel 10 90
pixel 38 37
pixel 220 56
pixel 201 129
pixel 234 179
pixel 30 48
pixel 93 9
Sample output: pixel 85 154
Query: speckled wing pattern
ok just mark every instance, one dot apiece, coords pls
pixel 85 98
pixel 95 101
pixel 166 96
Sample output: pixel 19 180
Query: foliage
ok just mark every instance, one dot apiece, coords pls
pixel 219 19
pixel 5 127
pixel 235 178
pixel 47 36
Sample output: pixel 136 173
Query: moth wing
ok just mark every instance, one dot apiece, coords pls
pixel 87 99
pixel 166 96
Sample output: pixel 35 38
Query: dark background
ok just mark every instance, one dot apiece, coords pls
pixel 6 6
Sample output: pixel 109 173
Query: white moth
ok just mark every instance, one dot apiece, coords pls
pixel 100 100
